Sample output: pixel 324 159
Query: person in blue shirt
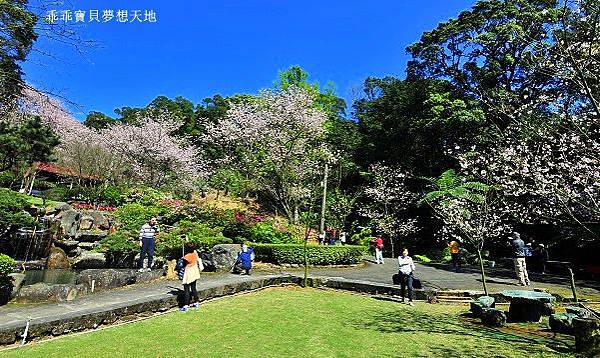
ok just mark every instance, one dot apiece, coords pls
pixel 243 264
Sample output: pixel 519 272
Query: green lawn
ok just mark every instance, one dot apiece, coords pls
pixel 303 322
pixel 33 200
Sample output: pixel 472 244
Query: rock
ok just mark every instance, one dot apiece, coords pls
pixel 91 235
pixel 579 311
pixel 493 317
pixel 146 276
pixel 480 304
pixel 158 262
pixel 121 260
pixel 587 336
pixel 88 260
pixel 171 274
pixel 64 207
pixel 17 282
pixel 225 255
pixel 562 322
pixel 87 245
pixel 66 245
pixel 75 252
pixel 69 221
pixel 43 292
pixel 106 278
pixel 100 220
pixel 528 306
pixel 57 259
pixel 208 262
pixel 86 222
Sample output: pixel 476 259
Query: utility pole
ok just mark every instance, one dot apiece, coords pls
pixel 324 202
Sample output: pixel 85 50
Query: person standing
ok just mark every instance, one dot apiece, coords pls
pixel 544 256
pixel 519 259
pixel 148 234
pixel 343 237
pixel 406 269
pixel 378 243
pixel 190 276
pixel 455 254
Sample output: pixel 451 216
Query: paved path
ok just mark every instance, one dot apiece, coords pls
pixel 16 314
pixel 438 277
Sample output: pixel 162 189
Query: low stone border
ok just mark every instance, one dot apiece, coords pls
pixel 70 322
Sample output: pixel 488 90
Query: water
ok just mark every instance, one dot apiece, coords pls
pixel 32 244
pixel 50 276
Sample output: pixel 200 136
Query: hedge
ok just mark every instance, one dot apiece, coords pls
pixel 317 254
pixel 7 265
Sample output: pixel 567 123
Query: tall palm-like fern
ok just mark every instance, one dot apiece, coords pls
pixel 472 196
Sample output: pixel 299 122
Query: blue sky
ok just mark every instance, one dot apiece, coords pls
pixel 200 48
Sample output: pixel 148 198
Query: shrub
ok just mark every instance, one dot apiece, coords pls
pixel 204 237
pixel 118 243
pixel 131 217
pixel 12 210
pixel 7 266
pixel 422 258
pixel 267 233
pixel 362 238
pixel 317 254
pixel 57 193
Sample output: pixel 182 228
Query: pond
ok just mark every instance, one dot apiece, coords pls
pixel 50 276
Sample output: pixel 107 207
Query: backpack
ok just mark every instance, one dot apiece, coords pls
pixel 180 268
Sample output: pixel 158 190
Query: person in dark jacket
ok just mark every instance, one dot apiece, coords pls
pixel 543 256
pixel 519 259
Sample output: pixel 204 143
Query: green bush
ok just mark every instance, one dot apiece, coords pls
pixel 57 193
pixel 422 258
pixel 317 254
pixel 203 236
pixel 118 243
pixel 131 217
pixel 12 210
pixel 363 238
pixel 7 266
pixel 267 233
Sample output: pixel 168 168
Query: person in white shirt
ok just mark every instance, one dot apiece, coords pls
pixel 406 268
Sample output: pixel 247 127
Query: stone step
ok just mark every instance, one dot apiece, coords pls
pixel 456 293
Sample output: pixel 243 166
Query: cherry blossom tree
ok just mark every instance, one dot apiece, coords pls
pixel 389 201
pixel 145 152
pixel 277 139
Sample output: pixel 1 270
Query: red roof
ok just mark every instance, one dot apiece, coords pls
pixel 55 169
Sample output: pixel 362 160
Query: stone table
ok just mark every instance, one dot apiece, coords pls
pixel 528 306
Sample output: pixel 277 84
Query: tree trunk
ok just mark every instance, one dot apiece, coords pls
pixel 482 271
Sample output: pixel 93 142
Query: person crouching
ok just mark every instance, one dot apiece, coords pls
pixel 243 263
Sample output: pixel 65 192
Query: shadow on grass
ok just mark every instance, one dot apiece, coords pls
pixel 412 320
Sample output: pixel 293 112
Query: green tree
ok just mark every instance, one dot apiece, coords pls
pixel 98 120
pixel 17 36
pixel 414 123
pixel 26 142
pixel 498 52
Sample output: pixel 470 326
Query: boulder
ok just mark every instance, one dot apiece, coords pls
pixel 66 245
pixel 86 222
pixel 225 255
pixel 100 220
pixel 480 304
pixel 493 317
pixel 88 260
pixel 87 245
pixel 158 262
pixel 91 235
pixel 43 292
pixel 57 259
pixel 579 311
pixel 69 221
pixel 17 282
pixel 121 260
pixel 562 323
pixel 208 262
pixel 146 276
pixel 106 278
pixel 75 252
pixel 587 336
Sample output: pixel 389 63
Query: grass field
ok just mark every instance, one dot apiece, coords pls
pixel 304 322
